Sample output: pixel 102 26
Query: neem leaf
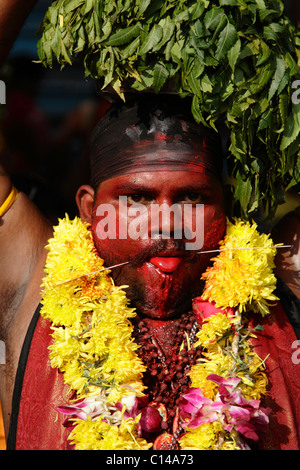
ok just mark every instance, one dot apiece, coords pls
pixel 194 84
pixel 168 27
pixel 229 2
pixel 160 76
pixel 279 73
pixel 261 4
pixel 65 53
pixel 130 49
pixel 72 5
pixel 196 110
pixel 292 128
pixel 198 9
pixel 152 39
pixel 226 39
pixel 237 58
pixel 212 17
pixel 205 84
pixel 233 54
pixel 143 6
pixel 243 191
pixel 124 35
pixel 89 4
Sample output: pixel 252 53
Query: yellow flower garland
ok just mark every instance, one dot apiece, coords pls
pixel 94 348
pixel 242 278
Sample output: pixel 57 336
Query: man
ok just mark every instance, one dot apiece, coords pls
pixel 146 153
pixel 146 183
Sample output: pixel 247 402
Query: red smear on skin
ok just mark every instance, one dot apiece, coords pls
pixel 161 137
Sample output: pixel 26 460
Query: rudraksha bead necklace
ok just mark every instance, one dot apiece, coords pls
pixel 166 377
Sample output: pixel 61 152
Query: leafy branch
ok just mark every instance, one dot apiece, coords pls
pixel 237 58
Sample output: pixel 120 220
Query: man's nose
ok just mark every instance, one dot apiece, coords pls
pixel 165 221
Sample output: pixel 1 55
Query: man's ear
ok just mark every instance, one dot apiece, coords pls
pixel 85 202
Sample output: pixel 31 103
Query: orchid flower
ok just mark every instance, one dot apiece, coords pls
pixel 230 408
pixel 92 407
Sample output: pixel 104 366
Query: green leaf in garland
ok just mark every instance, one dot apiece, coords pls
pixel 213 17
pixel 130 49
pixel 243 191
pixel 152 39
pixel 196 110
pixel 159 77
pixel 227 37
pixel 237 58
pixel 64 52
pixel 233 54
pixel 279 73
pixel 124 36
pixel 194 84
pixel 168 27
pixel 143 6
pixel 292 128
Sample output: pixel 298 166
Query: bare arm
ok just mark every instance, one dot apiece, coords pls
pixel 12 16
pixel 24 232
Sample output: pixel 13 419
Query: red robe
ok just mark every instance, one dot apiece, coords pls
pixel 278 340
pixel 40 426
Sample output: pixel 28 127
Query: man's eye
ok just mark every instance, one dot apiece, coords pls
pixel 138 198
pixel 194 197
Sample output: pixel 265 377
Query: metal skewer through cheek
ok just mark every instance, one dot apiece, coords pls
pixel 198 252
pixel 275 247
pixel 92 272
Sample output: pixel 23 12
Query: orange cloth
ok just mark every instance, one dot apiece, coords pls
pixel 2 433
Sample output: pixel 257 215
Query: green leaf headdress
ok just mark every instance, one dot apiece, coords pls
pixel 238 59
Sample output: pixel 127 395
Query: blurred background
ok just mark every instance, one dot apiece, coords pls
pixel 46 122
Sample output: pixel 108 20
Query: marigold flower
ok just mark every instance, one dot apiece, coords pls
pixel 242 278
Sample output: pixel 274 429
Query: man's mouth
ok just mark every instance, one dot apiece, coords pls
pixel 164 254
pixel 167 264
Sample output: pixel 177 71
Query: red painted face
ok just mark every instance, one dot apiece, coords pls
pixel 163 275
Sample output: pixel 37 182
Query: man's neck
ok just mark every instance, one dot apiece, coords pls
pixel 165 334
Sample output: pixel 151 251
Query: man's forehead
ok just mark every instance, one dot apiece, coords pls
pixel 175 181
pixel 125 142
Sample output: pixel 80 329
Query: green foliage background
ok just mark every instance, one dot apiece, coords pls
pixel 239 59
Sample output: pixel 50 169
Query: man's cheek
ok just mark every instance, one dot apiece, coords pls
pixel 105 222
pixel 194 223
pixel 112 248
pixel 214 228
pixel 204 226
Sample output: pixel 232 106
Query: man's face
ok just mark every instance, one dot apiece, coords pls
pixel 163 275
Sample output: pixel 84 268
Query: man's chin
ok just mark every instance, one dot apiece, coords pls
pixel 156 293
pixel 159 295
pixel 161 313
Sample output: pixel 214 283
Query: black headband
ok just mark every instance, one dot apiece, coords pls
pixel 153 134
